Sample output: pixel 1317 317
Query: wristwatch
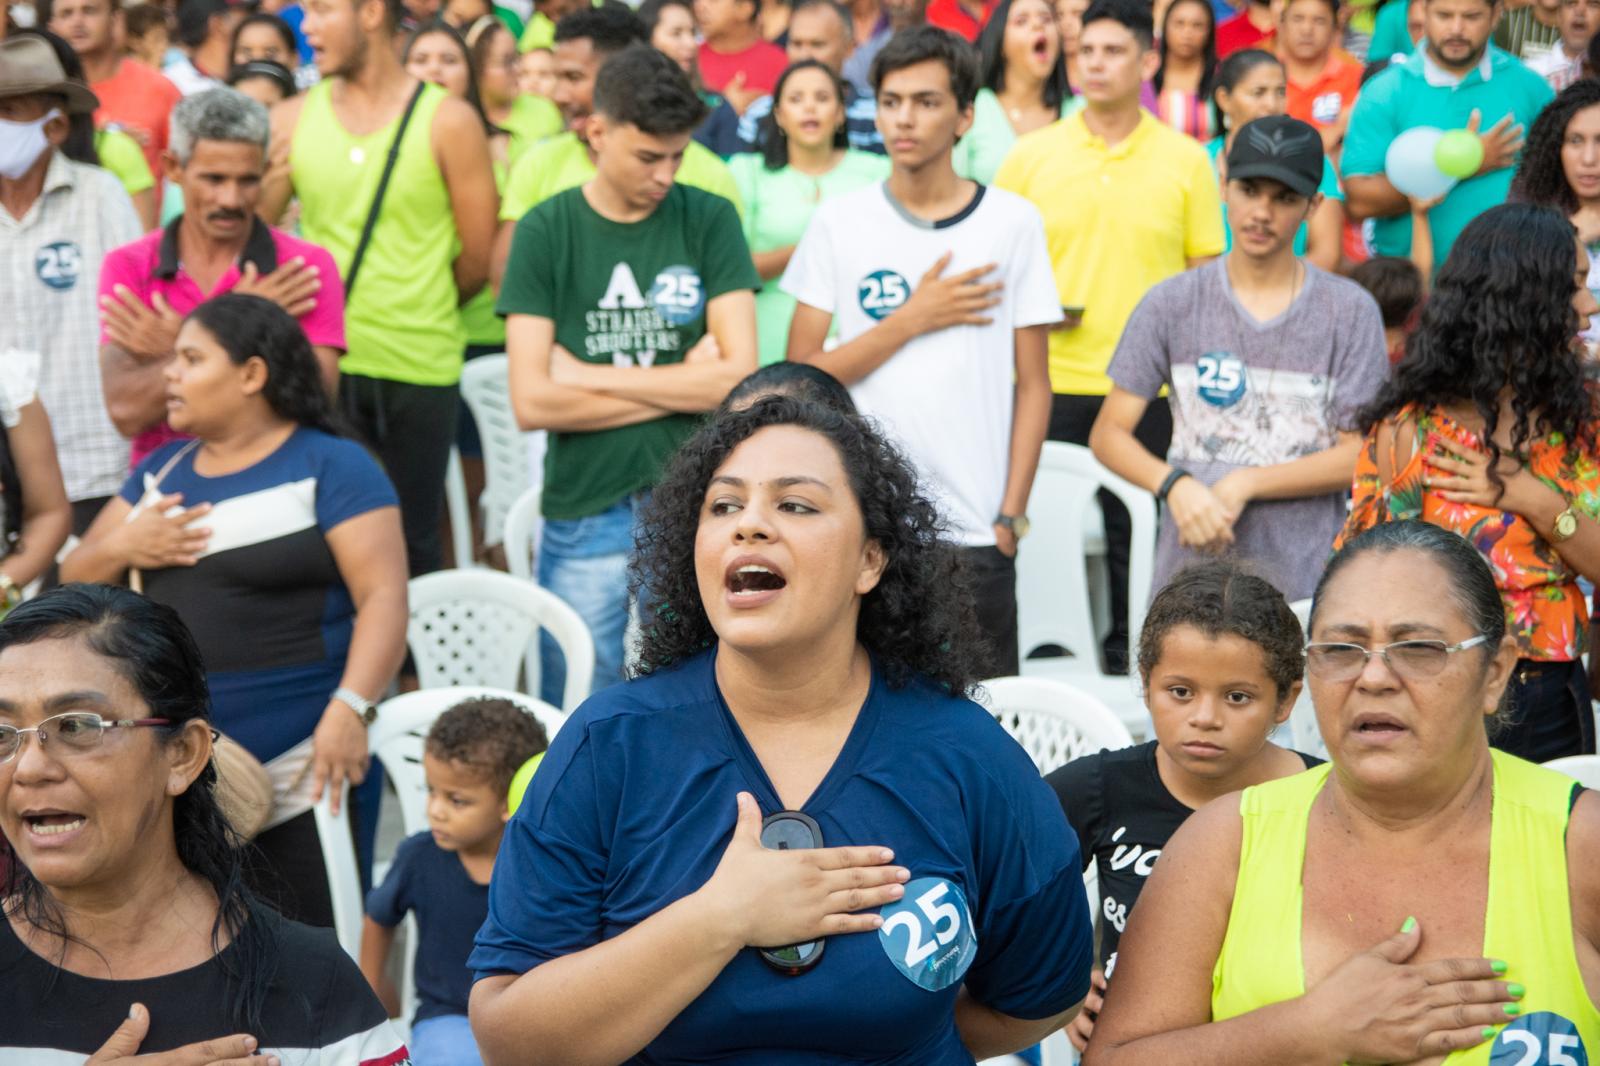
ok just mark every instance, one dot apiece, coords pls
pixel 1017 523
pixel 1566 525
pixel 365 709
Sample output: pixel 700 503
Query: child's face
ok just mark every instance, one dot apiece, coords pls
pixel 1213 702
pixel 465 811
pixel 536 73
pixel 151 48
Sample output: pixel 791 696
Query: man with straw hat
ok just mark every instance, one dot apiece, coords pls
pixel 58 219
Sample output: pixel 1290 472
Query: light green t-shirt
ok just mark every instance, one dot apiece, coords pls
pixel 622 294
pixel 540 32
pixel 979 154
pixel 562 162
pixel 122 155
pixel 778 205
pixel 532 119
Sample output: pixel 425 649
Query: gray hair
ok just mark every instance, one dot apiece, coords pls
pixel 217 115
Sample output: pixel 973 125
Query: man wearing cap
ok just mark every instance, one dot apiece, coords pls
pixel 58 219
pixel 217 157
pixel 1267 359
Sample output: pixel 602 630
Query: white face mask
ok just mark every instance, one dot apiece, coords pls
pixel 22 143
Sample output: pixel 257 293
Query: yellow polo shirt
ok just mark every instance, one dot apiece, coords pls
pixel 1117 221
pixel 562 162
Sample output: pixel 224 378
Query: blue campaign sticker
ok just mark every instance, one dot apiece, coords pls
pixel 678 295
pixel 881 293
pixel 928 933
pixel 1220 378
pixel 1542 1038
pixel 58 264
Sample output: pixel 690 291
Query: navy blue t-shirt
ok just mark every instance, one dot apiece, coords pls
pixel 635 804
pixel 449 905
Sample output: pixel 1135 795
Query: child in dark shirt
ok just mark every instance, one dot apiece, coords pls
pixel 1221 662
pixel 442 876
pixel 1400 290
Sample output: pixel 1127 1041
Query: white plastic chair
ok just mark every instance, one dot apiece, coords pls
pixel 396 738
pixel 1054 601
pixel 458 510
pixel 1054 721
pixel 1304 734
pixel 506 468
pixel 344 879
pixel 478 627
pixel 1585 768
pixel 522 533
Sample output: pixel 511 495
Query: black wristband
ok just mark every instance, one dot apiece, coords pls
pixel 1172 479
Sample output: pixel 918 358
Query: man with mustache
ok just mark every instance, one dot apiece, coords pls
pixel 1455 80
pixel 217 156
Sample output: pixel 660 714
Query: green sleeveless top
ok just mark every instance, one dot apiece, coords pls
pixel 403 323
pixel 1528 921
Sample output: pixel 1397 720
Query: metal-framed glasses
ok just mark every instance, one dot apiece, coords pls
pixel 70 733
pixel 1407 659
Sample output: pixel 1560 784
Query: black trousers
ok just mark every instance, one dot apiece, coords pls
pixel 1071 418
pixel 1551 715
pixel 993 577
pixel 410 428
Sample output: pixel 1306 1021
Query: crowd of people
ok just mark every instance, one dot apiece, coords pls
pixel 797 293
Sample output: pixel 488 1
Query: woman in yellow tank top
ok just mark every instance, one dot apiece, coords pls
pixel 1267 934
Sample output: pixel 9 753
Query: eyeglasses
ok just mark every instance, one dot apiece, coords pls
pixel 78 731
pixel 781 832
pixel 1408 659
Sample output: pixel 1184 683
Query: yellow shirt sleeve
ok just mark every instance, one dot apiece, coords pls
pixel 1202 232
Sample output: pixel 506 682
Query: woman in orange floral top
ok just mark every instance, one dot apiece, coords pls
pixel 1487 428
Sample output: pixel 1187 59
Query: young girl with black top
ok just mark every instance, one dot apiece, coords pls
pixel 1221 663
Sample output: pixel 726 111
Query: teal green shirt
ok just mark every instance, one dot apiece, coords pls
pixel 1329 189
pixel 1389 36
pixel 1415 92
pixel 777 206
pixel 979 154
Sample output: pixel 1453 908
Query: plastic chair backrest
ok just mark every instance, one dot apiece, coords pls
pixel 1054 721
pixel 1052 583
pixel 1584 768
pixel 522 532
pixel 457 510
pixel 344 878
pixel 478 627
pixel 1303 731
pixel 486 389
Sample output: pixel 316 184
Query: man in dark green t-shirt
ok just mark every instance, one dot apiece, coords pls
pixel 630 309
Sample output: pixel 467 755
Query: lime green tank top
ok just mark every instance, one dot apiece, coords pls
pixel 1529 917
pixel 403 323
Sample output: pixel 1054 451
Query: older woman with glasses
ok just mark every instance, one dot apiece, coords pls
pixel 1422 898
pixel 128 930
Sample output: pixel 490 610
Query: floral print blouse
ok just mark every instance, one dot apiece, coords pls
pixel 1545 611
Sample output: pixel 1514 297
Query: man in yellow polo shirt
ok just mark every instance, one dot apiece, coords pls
pixel 583 41
pixel 1127 202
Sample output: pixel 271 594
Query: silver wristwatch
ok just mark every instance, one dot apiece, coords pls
pixel 365 709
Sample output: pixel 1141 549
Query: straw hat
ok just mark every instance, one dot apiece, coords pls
pixel 28 66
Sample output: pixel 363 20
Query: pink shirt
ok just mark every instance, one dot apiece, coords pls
pixel 150 265
pixel 762 62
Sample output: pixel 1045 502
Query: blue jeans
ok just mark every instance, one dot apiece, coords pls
pixel 585 562
pixel 444 1040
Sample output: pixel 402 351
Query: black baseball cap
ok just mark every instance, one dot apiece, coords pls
pixel 1281 148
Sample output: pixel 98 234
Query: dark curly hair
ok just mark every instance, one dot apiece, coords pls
pixel 492 736
pixel 1541 179
pixel 1500 317
pixel 919 619
pixel 1222 598
pixel 252 327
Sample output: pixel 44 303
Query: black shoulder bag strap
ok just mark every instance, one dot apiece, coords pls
pixel 377 197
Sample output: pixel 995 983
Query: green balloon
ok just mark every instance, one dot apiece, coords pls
pixel 519 782
pixel 1459 154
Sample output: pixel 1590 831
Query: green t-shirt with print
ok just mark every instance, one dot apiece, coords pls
pixel 622 294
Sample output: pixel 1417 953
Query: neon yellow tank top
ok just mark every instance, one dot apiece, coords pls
pixel 403 323
pixel 1529 917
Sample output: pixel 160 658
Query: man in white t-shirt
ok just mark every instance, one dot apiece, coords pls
pixel 943 296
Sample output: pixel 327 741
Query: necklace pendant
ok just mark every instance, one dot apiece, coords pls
pixel 358 155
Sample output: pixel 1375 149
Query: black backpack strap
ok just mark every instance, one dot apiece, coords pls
pixel 377 197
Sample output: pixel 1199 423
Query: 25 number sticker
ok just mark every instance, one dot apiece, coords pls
pixel 928 933
pixel 881 292
pixel 1539 1039
pixel 1220 379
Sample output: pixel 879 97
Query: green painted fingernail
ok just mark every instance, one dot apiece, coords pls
pixel 1516 991
pixel 1488 1034
pixel 1498 966
pixel 1408 925
pixel 1513 1010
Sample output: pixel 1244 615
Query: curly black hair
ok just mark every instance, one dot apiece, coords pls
pixel 491 735
pixel 1500 317
pixel 1541 179
pixel 1219 598
pixel 919 620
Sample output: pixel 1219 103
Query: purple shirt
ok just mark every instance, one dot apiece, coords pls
pixel 150 265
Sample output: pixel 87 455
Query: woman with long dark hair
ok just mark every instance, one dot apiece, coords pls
pixel 804 160
pixel 1487 428
pixel 1560 168
pixel 1183 81
pixel 128 883
pixel 808 660
pixel 279 543
pixel 1024 85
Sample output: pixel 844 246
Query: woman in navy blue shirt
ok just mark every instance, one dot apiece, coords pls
pixel 809 651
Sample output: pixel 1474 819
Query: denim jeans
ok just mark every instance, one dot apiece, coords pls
pixel 443 1040
pixel 585 562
